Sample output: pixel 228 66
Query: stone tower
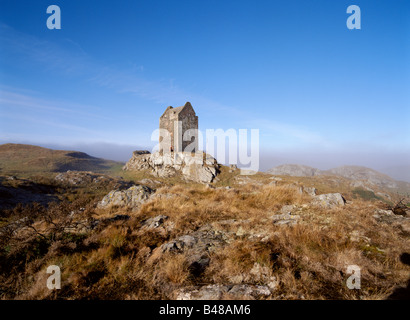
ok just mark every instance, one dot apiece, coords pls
pixel 177 122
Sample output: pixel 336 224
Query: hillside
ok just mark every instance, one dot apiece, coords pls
pixel 20 159
pixel 242 237
pixel 150 236
pixel 360 176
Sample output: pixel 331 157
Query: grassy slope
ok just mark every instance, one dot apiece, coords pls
pixel 26 160
pixel 122 260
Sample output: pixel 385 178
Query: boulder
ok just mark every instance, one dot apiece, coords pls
pixel 132 197
pixel 180 244
pixel 329 200
pixel 285 219
pixel 155 222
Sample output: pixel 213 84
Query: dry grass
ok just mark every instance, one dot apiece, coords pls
pixel 123 261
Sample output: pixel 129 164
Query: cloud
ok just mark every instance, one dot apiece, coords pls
pixel 13 98
pixel 69 57
pixel 72 59
pixel 49 54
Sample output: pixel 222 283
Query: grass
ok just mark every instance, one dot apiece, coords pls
pixel 27 160
pixel 123 261
pixel 365 194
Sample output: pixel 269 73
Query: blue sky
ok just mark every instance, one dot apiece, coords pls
pixel 291 69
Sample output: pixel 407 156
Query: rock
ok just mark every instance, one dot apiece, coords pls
pixel 285 219
pixel 80 178
pixel 155 222
pixel 287 209
pixel 329 200
pixel 402 223
pixel 199 173
pixel 384 212
pixel 205 239
pixel 261 274
pixel 198 167
pixel 310 191
pixel 241 232
pixel 197 247
pixel 209 292
pixel 180 244
pixel 133 197
pixel 249 291
pixel 218 291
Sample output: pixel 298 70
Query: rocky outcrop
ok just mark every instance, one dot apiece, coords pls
pixel 132 197
pixel 294 170
pixel 82 178
pixel 218 291
pixel 401 222
pixel 198 167
pixel 202 241
pixel 329 200
pixel 285 219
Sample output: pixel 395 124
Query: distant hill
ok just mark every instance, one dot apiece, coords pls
pixel 401 173
pixel 356 173
pixel 296 170
pixel 363 173
pixel 28 159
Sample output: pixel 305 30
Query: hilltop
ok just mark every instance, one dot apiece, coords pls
pixel 17 159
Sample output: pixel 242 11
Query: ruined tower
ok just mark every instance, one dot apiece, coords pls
pixel 177 134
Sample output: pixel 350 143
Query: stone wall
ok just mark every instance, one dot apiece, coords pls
pixel 177 121
pixel 189 121
pixel 166 122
